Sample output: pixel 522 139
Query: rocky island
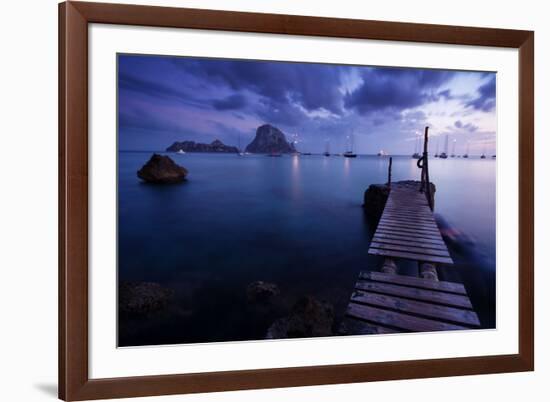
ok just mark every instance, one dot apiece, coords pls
pixel 269 139
pixel 161 169
pixel 191 146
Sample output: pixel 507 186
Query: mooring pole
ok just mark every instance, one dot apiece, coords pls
pixel 426 171
pixel 389 172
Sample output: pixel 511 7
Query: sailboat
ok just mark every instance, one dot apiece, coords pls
pixel 349 153
pixel 294 144
pixel 327 148
pixel 437 149
pixel 454 147
pixel 416 155
pixel 467 150
pixel 443 155
pixel 382 153
pixel 181 151
pixel 483 153
pixel 240 153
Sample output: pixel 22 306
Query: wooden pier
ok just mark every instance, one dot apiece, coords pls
pixel 385 302
pixel 407 229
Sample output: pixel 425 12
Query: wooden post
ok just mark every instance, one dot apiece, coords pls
pixel 389 266
pixel 389 172
pixel 426 171
pixel 428 271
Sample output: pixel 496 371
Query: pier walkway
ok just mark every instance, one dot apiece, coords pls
pixel 386 302
pixel 407 229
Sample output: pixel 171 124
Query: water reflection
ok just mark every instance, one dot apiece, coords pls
pixel 296 185
pixel 347 165
pixel 293 221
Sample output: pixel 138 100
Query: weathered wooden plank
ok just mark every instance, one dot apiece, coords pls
pixel 398 320
pixel 407 225
pixel 434 232
pixel 400 228
pixel 418 212
pixel 428 310
pixel 353 326
pixel 410 256
pixel 407 199
pixel 407 203
pixel 409 215
pixel 408 219
pixel 411 235
pixel 392 235
pixel 411 229
pixel 408 207
pixel 433 296
pixel 408 249
pixel 410 224
pixel 413 243
pixel 442 286
pixel 412 216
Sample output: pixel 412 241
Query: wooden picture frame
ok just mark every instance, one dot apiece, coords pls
pixel 74 381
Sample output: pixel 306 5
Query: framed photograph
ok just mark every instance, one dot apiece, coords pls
pixel 258 200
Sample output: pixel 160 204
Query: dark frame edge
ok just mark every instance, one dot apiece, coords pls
pixel 526 200
pixel 61 322
pixel 73 202
pixel 74 382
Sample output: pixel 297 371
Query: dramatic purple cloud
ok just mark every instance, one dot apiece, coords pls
pixel 166 99
pixel 486 99
pixel 397 89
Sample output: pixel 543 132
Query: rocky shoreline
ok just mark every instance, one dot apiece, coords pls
pixel 215 146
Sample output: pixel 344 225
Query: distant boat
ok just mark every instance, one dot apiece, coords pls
pixel 416 154
pixel 443 155
pixel 181 151
pixel 382 153
pixel 483 154
pixel 494 156
pixel 327 149
pixel 467 150
pixel 306 153
pixel 240 153
pixel 437 149
pixel 349 153
pixel 454 147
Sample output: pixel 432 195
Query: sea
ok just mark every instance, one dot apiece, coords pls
pixel 294 221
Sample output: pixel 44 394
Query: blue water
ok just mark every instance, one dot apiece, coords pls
pixel 294 221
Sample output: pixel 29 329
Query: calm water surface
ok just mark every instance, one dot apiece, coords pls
pixel 294 221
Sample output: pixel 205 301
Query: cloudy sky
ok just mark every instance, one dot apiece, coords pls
pixel 167 99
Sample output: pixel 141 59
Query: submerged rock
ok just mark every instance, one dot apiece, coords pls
pixel 142 297
pixel 269 139
pixel 376 196
pixel 162 169
pixel 261 292
pixel 309 318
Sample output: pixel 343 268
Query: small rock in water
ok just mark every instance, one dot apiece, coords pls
pixel 309 317
pixel 261 292
pixel 142 297
pixel 162 169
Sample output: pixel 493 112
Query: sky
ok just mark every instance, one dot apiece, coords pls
pixel 163 99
